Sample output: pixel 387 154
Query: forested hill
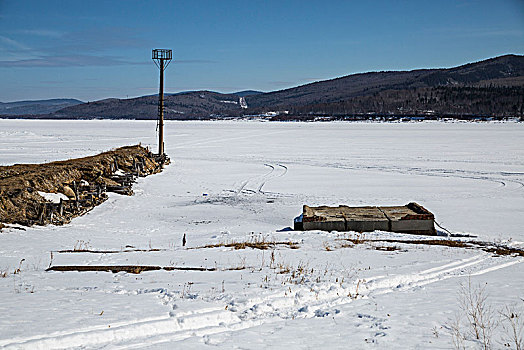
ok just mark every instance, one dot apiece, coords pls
pixel 491 88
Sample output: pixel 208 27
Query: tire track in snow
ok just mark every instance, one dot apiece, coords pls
pixel 255 184
pixel 253 179
pixel 265 178
pixel 500 178
pixel 242 189
pixel 273 177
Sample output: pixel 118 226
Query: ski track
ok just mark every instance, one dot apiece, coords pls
pixel 254 185
pixel 294 301
pixel 496 177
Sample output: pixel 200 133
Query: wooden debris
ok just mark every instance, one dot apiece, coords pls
pixel 135 268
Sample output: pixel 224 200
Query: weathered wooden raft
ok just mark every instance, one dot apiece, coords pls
pixel 80 183
pixel 411 218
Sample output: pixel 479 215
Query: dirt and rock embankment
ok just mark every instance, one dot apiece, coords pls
pixel 55 193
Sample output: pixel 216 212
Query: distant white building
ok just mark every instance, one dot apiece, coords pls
pixel 242 102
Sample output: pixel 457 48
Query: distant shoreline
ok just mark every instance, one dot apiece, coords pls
pixel 302 118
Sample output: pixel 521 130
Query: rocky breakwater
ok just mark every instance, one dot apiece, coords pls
pixel 55 193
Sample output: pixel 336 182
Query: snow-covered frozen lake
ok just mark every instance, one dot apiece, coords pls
pixel 246 181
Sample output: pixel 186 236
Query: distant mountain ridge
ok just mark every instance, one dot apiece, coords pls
pixel 37 106
pixel 493 87
pixel 186 105
pixel 361 84
pixel 247 93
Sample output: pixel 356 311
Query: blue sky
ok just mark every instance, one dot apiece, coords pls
pixel 97 49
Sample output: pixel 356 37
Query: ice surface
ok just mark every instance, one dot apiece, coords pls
pixel 246 181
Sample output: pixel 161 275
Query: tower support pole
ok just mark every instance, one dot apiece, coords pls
pixel 162 58
pixel 161 110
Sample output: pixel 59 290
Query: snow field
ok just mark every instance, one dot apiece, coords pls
pixel 245 181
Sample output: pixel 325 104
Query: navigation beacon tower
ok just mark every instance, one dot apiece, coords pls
pixel 162 58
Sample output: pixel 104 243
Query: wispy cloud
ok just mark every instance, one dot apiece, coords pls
pixel 491 33
pixel 99 40
pixel 81 61
pixel 11 49
pixel 193 61
pixel 280 83
pixel 43 33
pixel 106 46
pixel 68 61
pixel 475 32
pixel 12 44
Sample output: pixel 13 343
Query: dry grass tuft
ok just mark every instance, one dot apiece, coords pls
pixel 505 251
pixel 489 247
pixel 254 244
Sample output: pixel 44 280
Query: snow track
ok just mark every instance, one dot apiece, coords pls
pixel 474 266
pixel 501 178
pixel 138 332
pixel 295 301
pixel 283 171
pixel 255 184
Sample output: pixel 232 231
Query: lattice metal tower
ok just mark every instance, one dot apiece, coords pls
pixel 162 58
